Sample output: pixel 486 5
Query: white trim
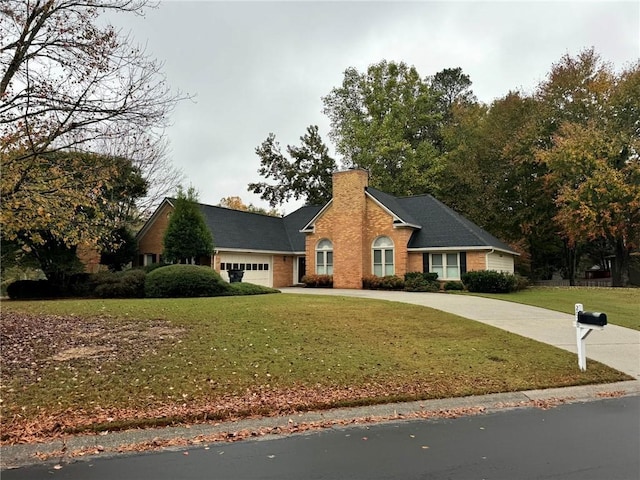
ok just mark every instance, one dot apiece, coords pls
pixel 383 249
pixel 461 249
pixel 325 257
pixel 152 219
pixel 310 226
pixel 257 252
pixel 445 265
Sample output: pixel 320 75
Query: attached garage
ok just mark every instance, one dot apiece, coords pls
pixel 257 268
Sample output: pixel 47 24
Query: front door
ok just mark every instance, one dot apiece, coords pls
pixel 302 268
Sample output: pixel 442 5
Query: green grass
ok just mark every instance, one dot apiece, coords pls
pixel 622 305
pixel 166 359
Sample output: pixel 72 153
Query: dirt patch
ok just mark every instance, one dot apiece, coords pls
pixel 32 343
pixel 80 352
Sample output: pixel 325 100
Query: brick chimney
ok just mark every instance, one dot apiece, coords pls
pixel 349 209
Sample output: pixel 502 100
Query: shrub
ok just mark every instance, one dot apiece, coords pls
pixel 239 288
pixel 178 281
pixel 489 281
pixel 125 284
pixel 26 289
pixel 80 285
pixel 521 282
pixel 318 281
pixel 453 286
pixel 421 282
pixel 388 282
pixel 154 266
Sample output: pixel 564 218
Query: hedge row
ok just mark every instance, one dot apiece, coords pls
pixel 479 281
pixel 173 281
pixel 490 281
pixel 318 281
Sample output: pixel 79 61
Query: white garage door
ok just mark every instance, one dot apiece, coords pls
pixel 257 268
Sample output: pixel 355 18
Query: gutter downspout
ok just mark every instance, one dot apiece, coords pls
pixel 486 258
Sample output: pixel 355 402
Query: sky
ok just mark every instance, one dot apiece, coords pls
pixel 255 68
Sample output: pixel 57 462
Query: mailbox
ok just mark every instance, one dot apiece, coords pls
pixel 592 318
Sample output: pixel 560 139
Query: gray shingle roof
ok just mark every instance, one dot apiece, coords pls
pixel 444 227
pixel 295 221
pixel 253 231
pixel 438 226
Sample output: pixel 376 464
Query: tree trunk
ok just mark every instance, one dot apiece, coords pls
pixel 620 270
pixel 571 259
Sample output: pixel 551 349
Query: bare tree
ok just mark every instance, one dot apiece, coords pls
pixel 70 82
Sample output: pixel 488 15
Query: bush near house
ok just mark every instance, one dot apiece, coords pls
pixel 77 285
pixel 126 284
pixel 453 286
pixel 388 282
pixel 239 288
pixel 489 281
pixel 421 282
pixel 178 281
pixel 318 281
pixel 29 289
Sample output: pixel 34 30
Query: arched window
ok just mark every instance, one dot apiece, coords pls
pixel 383 257
pixel 324 257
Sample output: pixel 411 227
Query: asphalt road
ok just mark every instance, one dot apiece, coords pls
pixel 593 440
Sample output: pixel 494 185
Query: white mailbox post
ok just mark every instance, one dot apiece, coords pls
pixel 585 323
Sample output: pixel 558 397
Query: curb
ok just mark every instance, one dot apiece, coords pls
pixel 87 447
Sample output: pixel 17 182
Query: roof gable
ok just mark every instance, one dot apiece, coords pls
pixel 401 217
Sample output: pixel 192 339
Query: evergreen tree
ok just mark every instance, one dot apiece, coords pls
pixel 187 237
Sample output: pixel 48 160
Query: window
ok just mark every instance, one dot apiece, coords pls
pixel 383 257
pixel 324 257
pixel 446 265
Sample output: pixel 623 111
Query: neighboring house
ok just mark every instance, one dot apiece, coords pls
pixel 361 231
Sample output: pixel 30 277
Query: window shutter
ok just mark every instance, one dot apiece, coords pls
pixel 425 262
pixel 463 263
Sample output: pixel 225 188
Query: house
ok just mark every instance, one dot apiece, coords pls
pixel 361 231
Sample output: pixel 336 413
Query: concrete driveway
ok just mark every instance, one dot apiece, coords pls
pixel 615 346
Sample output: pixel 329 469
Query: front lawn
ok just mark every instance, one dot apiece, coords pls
pixel 622 305
pixel 71 365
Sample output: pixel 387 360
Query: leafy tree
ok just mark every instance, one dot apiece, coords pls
pixel 47 232
pixel 490 177
pixel 386 120
pixel 452 86
pixel 591 152
pixel 307 175
pixel 187 237
pixel 119 249
pixel 236 203
pixel 597 193
pixel 71 84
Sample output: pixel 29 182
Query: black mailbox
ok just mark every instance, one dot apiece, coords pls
pixel 592 318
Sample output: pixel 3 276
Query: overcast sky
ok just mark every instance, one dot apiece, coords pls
pixel 261 67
